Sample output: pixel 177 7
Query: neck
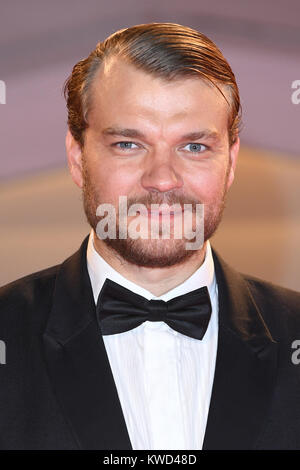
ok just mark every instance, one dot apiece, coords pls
pixel 158 281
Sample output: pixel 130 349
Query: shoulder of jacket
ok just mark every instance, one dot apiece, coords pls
pixel 279 306
pixel 28 292
pixel 271 291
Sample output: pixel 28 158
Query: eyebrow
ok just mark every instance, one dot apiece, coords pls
pixel 134 133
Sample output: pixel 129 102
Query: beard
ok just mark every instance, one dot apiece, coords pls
pixel 153 253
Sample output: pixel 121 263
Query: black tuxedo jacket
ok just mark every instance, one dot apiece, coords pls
pixel 57 389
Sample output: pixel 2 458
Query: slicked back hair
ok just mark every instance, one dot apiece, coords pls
pixel 165 50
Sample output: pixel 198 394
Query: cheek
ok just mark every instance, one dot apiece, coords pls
pixel 115 182
pixel 206 186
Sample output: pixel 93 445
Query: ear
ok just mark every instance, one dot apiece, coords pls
pixel 233 155
pixel 74 155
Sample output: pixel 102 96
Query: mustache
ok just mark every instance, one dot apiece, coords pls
pixel 159 198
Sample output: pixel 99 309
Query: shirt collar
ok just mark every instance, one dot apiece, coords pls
pixel 99 270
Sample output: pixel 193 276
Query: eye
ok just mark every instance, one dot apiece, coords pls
pixel 125 145
pixel 196 147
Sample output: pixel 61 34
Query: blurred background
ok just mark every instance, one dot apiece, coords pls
pixel 41 214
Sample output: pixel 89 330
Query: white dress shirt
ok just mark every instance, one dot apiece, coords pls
pixel 164 379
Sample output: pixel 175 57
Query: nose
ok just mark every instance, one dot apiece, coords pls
pixel 160 174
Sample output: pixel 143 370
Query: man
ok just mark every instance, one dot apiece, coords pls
pixel 139 342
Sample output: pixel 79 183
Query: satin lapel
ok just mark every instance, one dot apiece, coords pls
pixel 245 367
pixel 78 364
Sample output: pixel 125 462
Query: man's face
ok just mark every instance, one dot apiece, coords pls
pixel 139 144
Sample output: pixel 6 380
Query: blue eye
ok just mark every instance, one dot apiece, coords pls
pixel 124 145
pixel 196 148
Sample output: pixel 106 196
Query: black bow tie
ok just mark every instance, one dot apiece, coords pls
pixel 120 310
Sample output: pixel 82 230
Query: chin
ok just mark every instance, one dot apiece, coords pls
pixel 151 253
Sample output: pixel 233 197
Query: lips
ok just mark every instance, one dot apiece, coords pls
pixel 163 213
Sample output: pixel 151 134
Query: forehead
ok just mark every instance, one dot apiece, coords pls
pixel 120 90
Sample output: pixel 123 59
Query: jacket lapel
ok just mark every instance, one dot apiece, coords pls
pixel 245 367
pixel 77 362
